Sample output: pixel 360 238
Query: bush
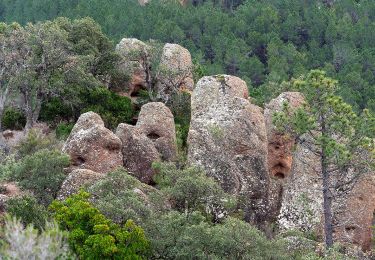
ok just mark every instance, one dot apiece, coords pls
pixel 34 142
pixel 13 119
pixel 121 203
pixel 93 236
pixel 27 209
pixel 63 130
pixel 191 190
pixel 42 173
pixel 113 108
pixel 180 236
pixel 55 110
pixel 28 243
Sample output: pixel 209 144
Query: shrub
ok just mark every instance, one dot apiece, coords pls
pixel 93 236
pixel 34 142
pixel 27 209
pixel 113 108
pixel 28 243
pixel 121 203
pixel 179 236
pixel 42 173
pixel 63 130
pixel 191 190
pixel 13 119
pixel 55 110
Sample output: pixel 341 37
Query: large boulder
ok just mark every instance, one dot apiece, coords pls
pixel 280 148
pixel 134 63
pixel 227 138
pixel 175 71
pixel 152 139
pixel 354 213
pixel 92 146
pixel 156 121
pixel 75 180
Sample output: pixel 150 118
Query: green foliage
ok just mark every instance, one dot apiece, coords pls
pixel 179 236
pixel 93 236
pixel 261 41
pixel 21 242
pixel 191 190
pixel 113 108
pixel 54 110
pixel 13 119
pixel 34 142
pixel 122 202
pixel 28 210
pixel 63 130
pixel 42 173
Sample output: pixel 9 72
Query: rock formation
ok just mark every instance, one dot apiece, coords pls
pixel 75 180
pixel 354 214
pixel 227 138
pixel 92 146
pixel 280 149
pixel 134 63
pixel 152 139
pixel 175 71
pixel 301 203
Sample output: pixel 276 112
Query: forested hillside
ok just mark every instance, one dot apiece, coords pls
pixel 263 42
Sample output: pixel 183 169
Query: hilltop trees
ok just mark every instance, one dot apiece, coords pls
pixel 328 127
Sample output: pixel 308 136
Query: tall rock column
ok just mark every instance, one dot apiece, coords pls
pixel 280 149
pixel 227 138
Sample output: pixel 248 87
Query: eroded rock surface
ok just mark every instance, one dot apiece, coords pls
pixel 227 138
pixel 152 139
pixel 134 63
pixel 92 146
pixel 354 216
pixel 75 180
pixel 280 148
pixel 175 71
pixel 301 203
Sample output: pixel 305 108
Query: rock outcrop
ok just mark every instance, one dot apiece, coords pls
pixel 280 149
pixel 92 146
pixel 134 63
pixel 175 71
pixel 354 214
pixel 152 139
pixel 301 203
pixel 75 180
pixel 227 138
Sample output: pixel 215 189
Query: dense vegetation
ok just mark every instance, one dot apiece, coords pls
pixel 63 67
pixel 264 42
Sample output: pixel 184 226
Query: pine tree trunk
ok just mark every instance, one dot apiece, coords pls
pixel 327 196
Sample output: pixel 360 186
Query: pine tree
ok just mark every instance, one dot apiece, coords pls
pixel 342 139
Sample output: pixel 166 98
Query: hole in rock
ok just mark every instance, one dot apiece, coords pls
pixel 153 136
pixel 280 175
pixel 78 161
pixel 349 228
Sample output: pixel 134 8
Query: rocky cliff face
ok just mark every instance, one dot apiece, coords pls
pixel 227 138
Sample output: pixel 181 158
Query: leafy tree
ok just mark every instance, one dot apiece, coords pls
pixel 342 140
pixel 93 236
